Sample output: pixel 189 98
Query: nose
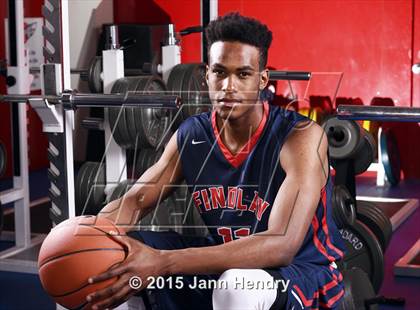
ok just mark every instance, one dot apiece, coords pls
pixel 229 84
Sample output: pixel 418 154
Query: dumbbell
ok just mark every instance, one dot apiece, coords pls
pixel 347 140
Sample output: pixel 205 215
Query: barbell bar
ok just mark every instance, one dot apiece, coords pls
pixel 378 113
pixel 273 74
pixel 72 100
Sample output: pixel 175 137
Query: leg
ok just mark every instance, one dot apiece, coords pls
pixel 244 289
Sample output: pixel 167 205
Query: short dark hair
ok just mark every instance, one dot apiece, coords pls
pixel 235 27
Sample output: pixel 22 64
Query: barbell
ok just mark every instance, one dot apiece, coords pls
pixel 378 113
pixel 71 100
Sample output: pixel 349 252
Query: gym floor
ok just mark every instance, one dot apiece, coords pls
pixel 24 291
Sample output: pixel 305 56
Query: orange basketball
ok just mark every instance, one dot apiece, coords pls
pixel 73 251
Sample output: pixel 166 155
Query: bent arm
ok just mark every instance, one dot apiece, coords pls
pixel 289 221
pixel 154 185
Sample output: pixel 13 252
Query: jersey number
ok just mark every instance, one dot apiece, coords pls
pixel 229 234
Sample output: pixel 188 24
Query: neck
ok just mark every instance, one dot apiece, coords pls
pixel 235 133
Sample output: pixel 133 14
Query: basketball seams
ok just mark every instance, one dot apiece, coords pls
pixel 81 287
pixel 49 260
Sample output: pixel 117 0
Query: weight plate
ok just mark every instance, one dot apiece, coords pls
pixel 114 114
pixel 145 159
pixel 154 123
pixel 195 89
pixel 174 85
pixel 343 137
pixel 365 153
pixel 131 117
pixel 89 187
pixel 94 75
pixel 344 206
pixel 363 251
pixel 97 189
pixel 374 218
pixel 188 81
pixel 357 290
pixel 3 159
pixel 140 127
pixel 80 195
pixel 390 156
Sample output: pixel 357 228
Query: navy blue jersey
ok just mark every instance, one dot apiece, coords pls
pixel 234 193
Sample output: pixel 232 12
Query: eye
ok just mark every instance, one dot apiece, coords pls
pixel 244 74
pixel 218 72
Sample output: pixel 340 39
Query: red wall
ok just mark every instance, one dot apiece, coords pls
pixel 369 41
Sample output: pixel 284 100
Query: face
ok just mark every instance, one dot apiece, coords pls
pixel 234 78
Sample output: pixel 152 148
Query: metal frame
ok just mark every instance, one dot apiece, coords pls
pixel 404 266
pixel 19 194
pixel 402 214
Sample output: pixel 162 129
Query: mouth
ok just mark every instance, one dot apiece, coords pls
pixel 228 102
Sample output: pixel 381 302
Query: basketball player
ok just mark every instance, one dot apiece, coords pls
pixel 258 175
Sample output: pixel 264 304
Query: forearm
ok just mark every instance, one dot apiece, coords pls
pixel 256 251
pixel 124 212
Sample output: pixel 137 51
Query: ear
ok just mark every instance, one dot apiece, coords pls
pixel 264 78
pixel 207 74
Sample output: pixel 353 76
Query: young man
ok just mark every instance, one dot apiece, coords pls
pixel 259 176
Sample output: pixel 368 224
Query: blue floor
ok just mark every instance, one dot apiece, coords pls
pixel 23 291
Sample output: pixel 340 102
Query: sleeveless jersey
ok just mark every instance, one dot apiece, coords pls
pixel 234 194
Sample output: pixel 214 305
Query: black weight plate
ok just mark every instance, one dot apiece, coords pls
pixel 98 183
pixel 344 206
pixel 131 116
pixel 94 75
pixel 343 137
pixel 175 86
pixel 90 175
pixel 357 290
pixel 390 156
pixel 363 251
pixel 146 158
pixel 196 91
pixel 3 158
pixel 80 186
pixel 365 153
pixel 154 123
pixel 373 217
pixel 114 114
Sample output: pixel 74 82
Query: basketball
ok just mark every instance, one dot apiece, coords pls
pixel 75 250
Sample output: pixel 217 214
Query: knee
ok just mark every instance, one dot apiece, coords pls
pixel 233 294
pixel 225 293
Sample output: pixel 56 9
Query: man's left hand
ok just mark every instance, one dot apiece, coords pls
pixel 142 261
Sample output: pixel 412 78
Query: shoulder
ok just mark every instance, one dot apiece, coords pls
pixel 285 120
pixel 305 147
pixel 196 121
pixel 194 127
